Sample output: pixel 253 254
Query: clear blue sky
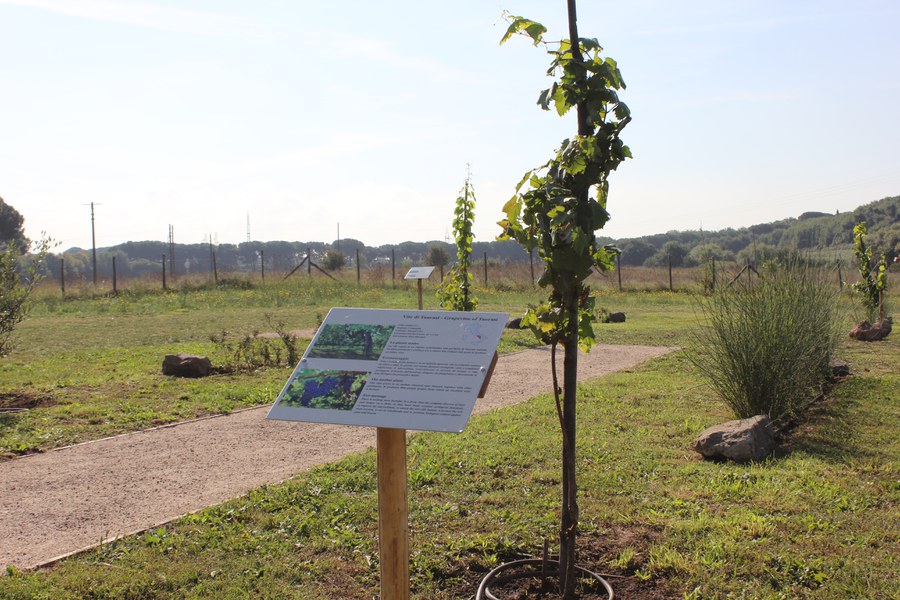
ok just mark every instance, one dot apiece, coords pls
pixel 306 114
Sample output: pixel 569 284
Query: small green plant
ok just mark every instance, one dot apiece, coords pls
pixel 248 352
pixel 873 277
pixel 288 339
pixel 16 284
pixel 766 345
pixel 455 292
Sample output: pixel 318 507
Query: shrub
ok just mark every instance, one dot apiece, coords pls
pixel 334 260
pixel 873 275
pixel 768 343
pixel 17 281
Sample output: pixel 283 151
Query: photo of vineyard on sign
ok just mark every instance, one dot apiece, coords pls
pixel 334 390
pixel 351 342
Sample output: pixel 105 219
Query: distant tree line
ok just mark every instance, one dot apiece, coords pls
pixel 811 232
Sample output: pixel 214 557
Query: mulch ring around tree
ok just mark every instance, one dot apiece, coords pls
pixel 595 552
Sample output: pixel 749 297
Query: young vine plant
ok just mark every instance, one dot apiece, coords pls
pixel 455 292
pixel 553 209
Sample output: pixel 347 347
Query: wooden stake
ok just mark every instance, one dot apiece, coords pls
pixel 670 272
pixel 618 270
pixel 419 287
pixel 393 536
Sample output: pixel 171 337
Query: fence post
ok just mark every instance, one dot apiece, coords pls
pixel 215 270
pixel 619 269
pixel 115 289
pixel 262 264
pixel 309 262
pixel 670 272
pixel 357 267
pixel 393 270
pixel 485 268
pixel 164 271
pixel 62 277
pixel 713 274
pixel 531 261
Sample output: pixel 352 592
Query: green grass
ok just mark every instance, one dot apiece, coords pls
pixel 817 520
pixel 91 367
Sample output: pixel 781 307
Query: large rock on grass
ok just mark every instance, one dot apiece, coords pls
pixel 743 440
pixel 186 365
pixel 866 332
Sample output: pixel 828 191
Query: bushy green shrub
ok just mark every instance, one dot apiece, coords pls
pixel 18 276
pixel 767 343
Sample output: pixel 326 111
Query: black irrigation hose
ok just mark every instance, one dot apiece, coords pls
pixel 484 592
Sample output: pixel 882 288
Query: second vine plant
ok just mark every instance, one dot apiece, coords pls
pixel 455 292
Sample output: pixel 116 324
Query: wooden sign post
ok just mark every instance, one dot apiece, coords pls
pixel 393 370
pixel 393 508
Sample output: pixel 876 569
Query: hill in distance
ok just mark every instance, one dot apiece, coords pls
pixel 825 236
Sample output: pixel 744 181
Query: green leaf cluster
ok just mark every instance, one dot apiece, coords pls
pixel 455 292
pixel 873 277
pixel 558 207
pixel 17 281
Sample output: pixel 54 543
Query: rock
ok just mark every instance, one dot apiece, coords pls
pixel 839 368
pixel 866 332
pixel 186 365
pixel 514 323
pixel 616 317
pixel 741 441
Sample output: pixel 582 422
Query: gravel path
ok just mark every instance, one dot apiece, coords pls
pixel 69 499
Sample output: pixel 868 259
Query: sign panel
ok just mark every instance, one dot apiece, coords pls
pixel 419 273
pixel 402 369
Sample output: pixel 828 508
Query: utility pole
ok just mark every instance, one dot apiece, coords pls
pixel 93 245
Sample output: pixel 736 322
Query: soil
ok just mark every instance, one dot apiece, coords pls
pixel 19 400
pixel 70 499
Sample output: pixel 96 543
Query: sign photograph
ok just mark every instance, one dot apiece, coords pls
pixel 402 369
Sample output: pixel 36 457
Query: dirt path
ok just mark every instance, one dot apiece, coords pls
pixel 69 499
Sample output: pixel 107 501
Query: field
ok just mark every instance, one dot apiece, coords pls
pixel 817 520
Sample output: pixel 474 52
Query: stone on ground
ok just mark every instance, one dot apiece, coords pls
pixel 186 365
pixel 742 440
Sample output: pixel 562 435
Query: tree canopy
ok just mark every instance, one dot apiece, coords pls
pixel 12 227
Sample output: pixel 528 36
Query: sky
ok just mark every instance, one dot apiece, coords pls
pixel 300 120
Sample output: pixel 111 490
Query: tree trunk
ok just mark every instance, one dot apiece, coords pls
pixel 569 515
pixel 568 529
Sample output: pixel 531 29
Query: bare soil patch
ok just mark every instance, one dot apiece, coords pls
pixel 21 399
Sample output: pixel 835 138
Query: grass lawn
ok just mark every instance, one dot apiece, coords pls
pixel 91 367
pixel 820 519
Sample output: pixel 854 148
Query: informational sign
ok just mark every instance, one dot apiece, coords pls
pixel 419 273
pixel 401 369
